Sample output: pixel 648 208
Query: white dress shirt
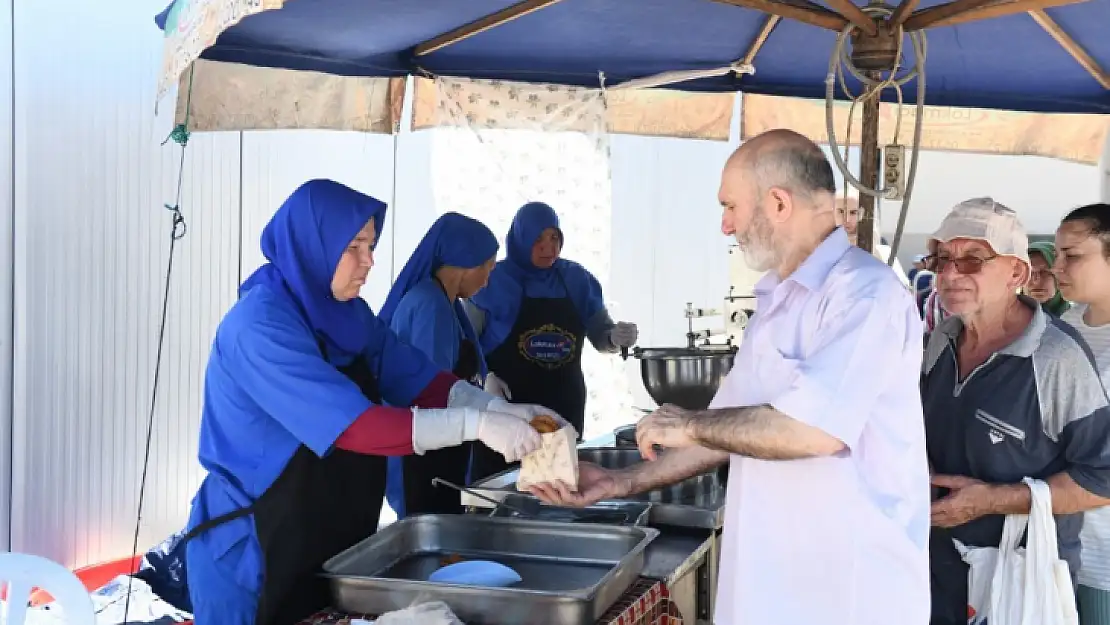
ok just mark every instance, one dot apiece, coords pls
pixel 840 540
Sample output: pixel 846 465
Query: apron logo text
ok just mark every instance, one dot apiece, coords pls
pixel 549 346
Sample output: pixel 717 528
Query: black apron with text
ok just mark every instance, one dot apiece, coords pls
pixel 541 362
pixel 316 508
pixel 449 463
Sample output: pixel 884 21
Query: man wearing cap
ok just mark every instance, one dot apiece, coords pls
pixel 1008 392
pixel 918 265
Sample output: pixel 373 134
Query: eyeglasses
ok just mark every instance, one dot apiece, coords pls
pixel 968 265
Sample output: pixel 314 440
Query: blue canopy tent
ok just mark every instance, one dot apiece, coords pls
pixel 1025 55
pixel 1007 54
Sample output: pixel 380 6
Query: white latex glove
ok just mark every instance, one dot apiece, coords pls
pixel 496 386
pixel 465 395
pixel 525 412
pixel 436 428
pixel 624 334
pixel 508 435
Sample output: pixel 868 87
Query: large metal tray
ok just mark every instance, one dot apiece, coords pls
pixel 603 512
pixel 571 573
pixel 697 502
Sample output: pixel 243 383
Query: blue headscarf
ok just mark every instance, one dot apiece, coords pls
pixel 528 224
pixel 303 243
pixel 454 240
pixel 512 276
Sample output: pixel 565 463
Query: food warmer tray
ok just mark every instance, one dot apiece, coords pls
pixel 572 573
pixel 696 502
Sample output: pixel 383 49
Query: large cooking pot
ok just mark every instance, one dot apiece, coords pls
pixel 683 376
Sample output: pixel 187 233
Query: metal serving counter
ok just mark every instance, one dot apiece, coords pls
pixel 686 559
pixel 697 502
pixel 685 555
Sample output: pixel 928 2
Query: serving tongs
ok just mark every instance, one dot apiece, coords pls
pixel 534 507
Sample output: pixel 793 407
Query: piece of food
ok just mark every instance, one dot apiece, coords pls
pixel 449 559
pixel 545 424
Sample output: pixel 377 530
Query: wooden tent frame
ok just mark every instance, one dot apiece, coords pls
pixel 905 18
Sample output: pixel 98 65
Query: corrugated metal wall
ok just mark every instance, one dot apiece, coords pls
pixel 84 196
pixel 6 265
pixel 90 254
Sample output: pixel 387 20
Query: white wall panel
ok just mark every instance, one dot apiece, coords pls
pixel 90 256
pixel 275 163
pixel 6 329
pixel 667 243
pixel 416 205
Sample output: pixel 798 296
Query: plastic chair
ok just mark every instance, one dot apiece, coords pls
pixel 24 572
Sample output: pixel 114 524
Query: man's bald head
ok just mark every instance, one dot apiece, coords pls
pixel 777 194
pixel 786 160
pixel 847 213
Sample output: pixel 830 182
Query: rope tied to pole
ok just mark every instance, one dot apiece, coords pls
pixel 178 228
pixel 180 133
pixel 839 60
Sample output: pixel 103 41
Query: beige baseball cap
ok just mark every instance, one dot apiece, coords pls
pixel 983 219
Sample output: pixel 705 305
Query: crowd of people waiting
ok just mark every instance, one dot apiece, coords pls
pixel 1017 335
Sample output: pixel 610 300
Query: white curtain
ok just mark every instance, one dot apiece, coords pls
pixel 502 144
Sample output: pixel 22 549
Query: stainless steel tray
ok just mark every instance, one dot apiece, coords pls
pixel 571 573
pixel 697 502
pixel 603 512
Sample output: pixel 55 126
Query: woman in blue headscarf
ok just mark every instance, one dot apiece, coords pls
pixel 423 308
pixel 533 320
pixel 295 427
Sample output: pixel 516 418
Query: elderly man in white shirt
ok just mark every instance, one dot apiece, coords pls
pixel 827 514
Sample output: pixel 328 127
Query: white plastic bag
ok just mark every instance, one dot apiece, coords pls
pixel 1029 585
pixel 980 561
pixel 430 613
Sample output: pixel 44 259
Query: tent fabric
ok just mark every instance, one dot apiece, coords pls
pixel 228 96
pixel 1068 136
pixel 218 96
pixel 1008 62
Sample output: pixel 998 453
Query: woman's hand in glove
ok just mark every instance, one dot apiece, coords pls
pixel 624 334
pixel 508 435
pixel 525 412
pixel 496 386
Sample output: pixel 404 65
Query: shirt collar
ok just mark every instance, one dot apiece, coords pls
pixel 815 268
pixel 1024 345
